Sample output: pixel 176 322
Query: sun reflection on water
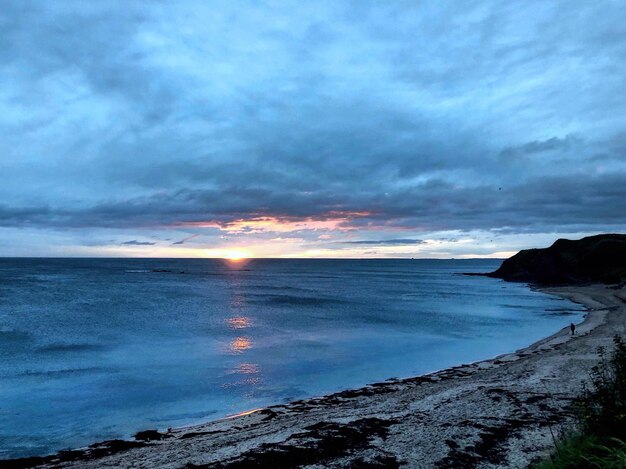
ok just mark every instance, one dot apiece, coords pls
pixel 241 414
pixel 238 322
pixel 247 369
pixel 239 345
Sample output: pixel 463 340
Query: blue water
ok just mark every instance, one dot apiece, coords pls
pixel 94 349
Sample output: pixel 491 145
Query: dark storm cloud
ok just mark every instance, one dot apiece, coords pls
pixel 539 204
pixel 19 216
pixel 184 240
pixel 385 116
pixel 552 144
pixel 134 242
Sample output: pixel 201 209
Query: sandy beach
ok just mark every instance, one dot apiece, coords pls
pixel 503 412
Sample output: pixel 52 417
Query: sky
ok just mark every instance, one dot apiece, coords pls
pixel 309 129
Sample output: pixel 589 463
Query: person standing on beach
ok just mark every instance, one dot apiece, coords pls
pixel 572 328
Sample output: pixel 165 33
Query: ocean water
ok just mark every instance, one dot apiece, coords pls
pixel 94 349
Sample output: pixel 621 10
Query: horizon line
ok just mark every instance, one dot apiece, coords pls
pixel 263 258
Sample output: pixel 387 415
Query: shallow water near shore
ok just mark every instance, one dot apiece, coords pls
pixel 94 349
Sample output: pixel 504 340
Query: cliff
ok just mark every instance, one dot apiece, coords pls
pixel 600 258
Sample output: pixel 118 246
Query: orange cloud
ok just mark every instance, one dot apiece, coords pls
pixel 333 221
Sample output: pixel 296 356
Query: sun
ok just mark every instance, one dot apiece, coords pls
pixel 233 255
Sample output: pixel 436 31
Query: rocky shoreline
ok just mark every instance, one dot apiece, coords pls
pixel 503 412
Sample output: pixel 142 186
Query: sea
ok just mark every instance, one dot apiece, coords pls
pixel 97 349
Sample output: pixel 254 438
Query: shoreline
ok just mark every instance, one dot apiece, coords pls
pixel 397 421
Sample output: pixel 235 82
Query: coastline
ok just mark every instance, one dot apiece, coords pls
pixel 501 412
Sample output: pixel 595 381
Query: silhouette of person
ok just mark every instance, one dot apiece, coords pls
pixel 572 328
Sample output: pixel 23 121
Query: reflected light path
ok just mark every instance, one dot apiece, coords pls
pixel 241 414
pixel 239 345
pixel 239 322
pixel 247 368
pixel 246 374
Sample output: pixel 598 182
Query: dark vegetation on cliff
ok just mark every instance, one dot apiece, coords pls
pixel 600 258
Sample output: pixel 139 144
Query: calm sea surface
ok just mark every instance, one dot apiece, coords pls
pixel 94 349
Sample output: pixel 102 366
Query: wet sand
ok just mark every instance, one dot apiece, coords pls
pixel 503 412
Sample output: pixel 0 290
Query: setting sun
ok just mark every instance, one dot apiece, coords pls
pixel 235 255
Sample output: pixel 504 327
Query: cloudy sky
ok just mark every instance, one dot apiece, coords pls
pixel 321 128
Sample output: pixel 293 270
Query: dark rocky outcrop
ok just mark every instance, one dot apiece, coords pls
pixel 600 258
pixel 95 451
pixel 151 435
pixel 320 444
